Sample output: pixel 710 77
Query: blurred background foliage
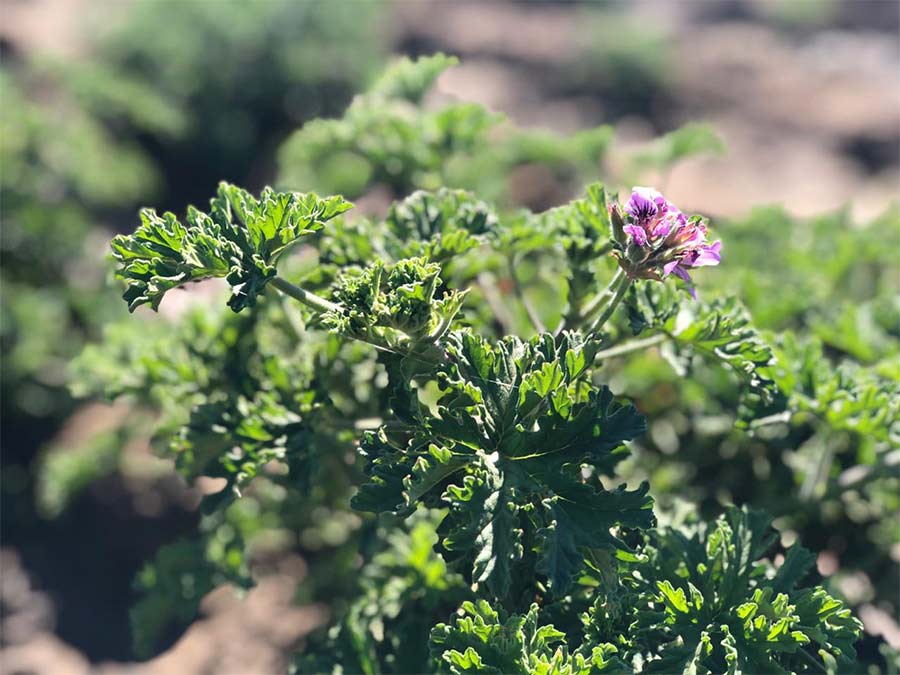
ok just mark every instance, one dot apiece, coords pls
pixel 152 103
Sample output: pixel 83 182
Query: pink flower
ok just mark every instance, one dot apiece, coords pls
pixel 659 240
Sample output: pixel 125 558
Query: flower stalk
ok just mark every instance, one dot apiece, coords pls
pixel 600 300
pixel 311 300
pixel 633 346
pixel 533 316
pixel 610 299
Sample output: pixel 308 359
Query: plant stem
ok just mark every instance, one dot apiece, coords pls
pixel 526 303
pixel 440 330
pixel 311 300
pixel 601 298
pixel 633 346
pixel 489 290
pixel 817 667
pixel 819 474
pixel 616 291
pixel 294 317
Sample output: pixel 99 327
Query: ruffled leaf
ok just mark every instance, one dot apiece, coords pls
pixel 240 239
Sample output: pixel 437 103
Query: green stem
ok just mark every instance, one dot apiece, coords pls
pixel 591 308
pixel 817 667
pixel 311 300
pixel 633 346
pixel 617 288
pixel 440 330
pixel 495 302
pixel 293 316
pixel 819 474
pixel 575 315
pixel 526 303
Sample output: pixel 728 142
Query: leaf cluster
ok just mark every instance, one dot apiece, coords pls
pixel 848 397
pixel 404 588
pixel 703 599
pixel 381 302
pixel 504 448
pixel 391 136
pixel 241 239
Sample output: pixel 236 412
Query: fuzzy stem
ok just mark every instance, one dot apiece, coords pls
pixel 488 289
pixel 589 309
pixel 819 474
pixel 311 300
pixel 615 291
pixel 526 303
pixel 440 330
pixel 633 346
pixel 817 667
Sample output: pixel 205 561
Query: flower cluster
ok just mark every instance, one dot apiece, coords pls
pixel 657 239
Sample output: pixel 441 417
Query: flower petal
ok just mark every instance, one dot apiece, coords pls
pixel 662 228
pixel 681 272
pixel 642 206
pixel 637 233
pixel 673 242
pixel 708 255
pixel 669 267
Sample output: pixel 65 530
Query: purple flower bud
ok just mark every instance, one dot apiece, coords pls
pixel 637 233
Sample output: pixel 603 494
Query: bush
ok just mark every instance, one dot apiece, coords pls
pixel 455 371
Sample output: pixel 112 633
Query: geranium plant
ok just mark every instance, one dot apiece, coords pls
pixel 491 459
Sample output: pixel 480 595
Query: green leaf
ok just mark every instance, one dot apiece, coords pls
pixel 503 451
pixel 393 305
pixel 675 146
pixel 390 138
pixel 398 595
pixel 175 582
pixel 722 330
pixel 651 306
pixel 410 79
pixel 484 640
pixel 498 542
pixel 704 599
pixel 67 469
pixel 438 225
pixel 386 137
pixel 240 239
pixel 672 597
pixel 559 558
pixel 797 563
pixel 846 397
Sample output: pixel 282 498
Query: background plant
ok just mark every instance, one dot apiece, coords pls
pixel 86 141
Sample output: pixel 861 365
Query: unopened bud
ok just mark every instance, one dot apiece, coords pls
pixel 635 253
pixel 617 225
